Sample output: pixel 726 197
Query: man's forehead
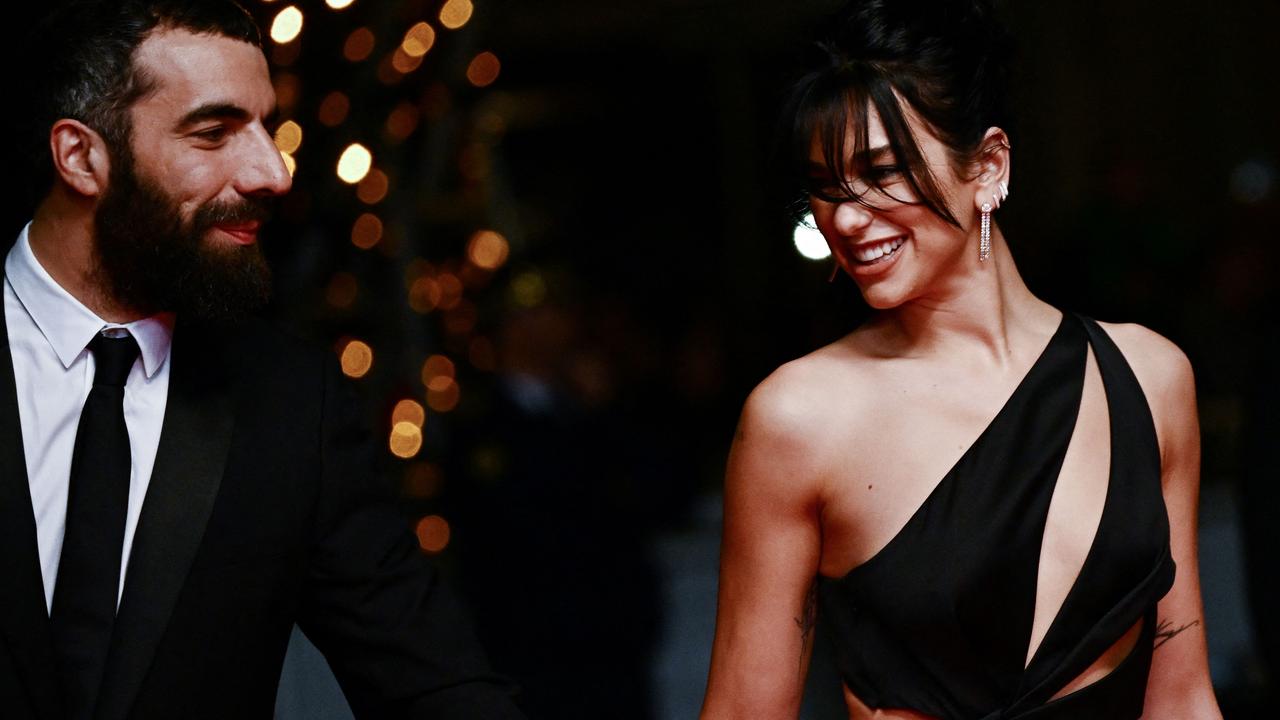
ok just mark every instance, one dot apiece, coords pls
pixel 191 69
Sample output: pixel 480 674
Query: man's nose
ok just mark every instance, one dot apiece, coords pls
pixel 263 172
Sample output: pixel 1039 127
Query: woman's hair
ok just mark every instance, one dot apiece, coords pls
pixel 945 60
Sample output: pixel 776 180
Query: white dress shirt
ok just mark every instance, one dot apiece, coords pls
pixel 49 334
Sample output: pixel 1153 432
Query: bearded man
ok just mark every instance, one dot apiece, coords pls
pixel 180 485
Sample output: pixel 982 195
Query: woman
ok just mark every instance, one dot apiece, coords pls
pixel 991 502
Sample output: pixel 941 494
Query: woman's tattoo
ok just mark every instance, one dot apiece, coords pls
pixel 806 622
pixel 1165 631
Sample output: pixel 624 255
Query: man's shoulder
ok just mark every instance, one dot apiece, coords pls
pixel 256 348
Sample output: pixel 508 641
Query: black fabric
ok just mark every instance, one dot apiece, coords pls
pixel 263 511
pixel 84 597
pixel 939 620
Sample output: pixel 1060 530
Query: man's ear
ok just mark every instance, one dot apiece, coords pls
pixel 80 157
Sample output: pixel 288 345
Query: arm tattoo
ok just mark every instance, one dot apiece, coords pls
pixel 1165 631
pixel 806 622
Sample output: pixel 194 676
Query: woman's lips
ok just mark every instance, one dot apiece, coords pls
pixel 242 233
pixel 876 257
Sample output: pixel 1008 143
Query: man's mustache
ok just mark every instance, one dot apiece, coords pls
pixel 234 212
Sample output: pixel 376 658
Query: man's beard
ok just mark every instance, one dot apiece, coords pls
pixel 151 260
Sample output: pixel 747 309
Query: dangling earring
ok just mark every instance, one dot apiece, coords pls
pixel 984 243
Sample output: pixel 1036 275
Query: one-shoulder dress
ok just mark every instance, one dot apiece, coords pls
pixel 939 621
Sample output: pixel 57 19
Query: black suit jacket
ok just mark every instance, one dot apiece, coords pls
pixel 262 511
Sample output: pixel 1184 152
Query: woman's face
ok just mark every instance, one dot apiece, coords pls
pixel 895 249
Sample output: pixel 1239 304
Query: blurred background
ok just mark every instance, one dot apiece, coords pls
pixel 545 239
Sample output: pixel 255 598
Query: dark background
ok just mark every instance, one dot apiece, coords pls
pixel 623 153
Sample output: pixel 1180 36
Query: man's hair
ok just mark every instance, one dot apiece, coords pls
pixel 82 55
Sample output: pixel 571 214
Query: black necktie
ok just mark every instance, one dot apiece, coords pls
pixel 84 596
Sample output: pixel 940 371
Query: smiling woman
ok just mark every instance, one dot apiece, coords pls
pixel 989 501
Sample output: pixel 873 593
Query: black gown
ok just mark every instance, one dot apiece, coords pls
pixel 939 620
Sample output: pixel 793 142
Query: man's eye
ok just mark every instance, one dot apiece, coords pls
pixel 216 134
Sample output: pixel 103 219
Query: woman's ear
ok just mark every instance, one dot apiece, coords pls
pixel 993 169
pixel 80 157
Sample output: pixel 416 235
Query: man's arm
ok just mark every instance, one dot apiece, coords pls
pixel 397 638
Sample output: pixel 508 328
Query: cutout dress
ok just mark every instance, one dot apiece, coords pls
pixel 939 621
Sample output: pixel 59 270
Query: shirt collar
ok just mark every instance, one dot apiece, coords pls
pixel 66 323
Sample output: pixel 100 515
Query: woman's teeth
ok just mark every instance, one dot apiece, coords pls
pixel 872 253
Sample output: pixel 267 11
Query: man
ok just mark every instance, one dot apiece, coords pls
pixel 178 486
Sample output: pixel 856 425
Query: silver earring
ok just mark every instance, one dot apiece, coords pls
pixel 984 243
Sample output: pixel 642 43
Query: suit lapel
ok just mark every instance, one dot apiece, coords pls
pixel 24 617
pixel 190 460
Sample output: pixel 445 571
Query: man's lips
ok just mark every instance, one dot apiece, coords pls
pixel 243 233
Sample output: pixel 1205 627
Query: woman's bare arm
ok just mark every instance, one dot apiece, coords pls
pixel 769 559
pixel 1179 685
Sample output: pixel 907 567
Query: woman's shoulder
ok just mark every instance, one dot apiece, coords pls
pixel 1159 364
pixel 814 400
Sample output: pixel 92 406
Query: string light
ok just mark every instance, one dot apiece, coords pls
pixel 484 69
pixel 355 163
pixel 287 25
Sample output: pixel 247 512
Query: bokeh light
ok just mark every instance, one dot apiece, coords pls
pixel 438 372
pixel 334 109
pixel 410 411
pixel 455 13
pixel 289 137
pixel 290 163
pixel 355 163
pixel 402 121
pixel 809 241
pixel 481 354
pixel 529 289
pixel 421 480
pixel 356 359
pixel 373 188
pixel 287 25
pixel 450 290
pixel 403 62
pixel 342 290
pixel 484 69
pixel 339 4
pixel 424 294
pixel 359 45
pixel 405 440
pixel 433 533
pixel 367 231
pixel 418 40
pixel 446 398
pixel 488 250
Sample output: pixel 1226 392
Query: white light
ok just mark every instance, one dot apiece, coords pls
pixel 339 4
pixel 809 241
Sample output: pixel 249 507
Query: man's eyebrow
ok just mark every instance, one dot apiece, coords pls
pixel 221 111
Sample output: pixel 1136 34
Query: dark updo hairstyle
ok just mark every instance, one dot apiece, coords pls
pixel 947 59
